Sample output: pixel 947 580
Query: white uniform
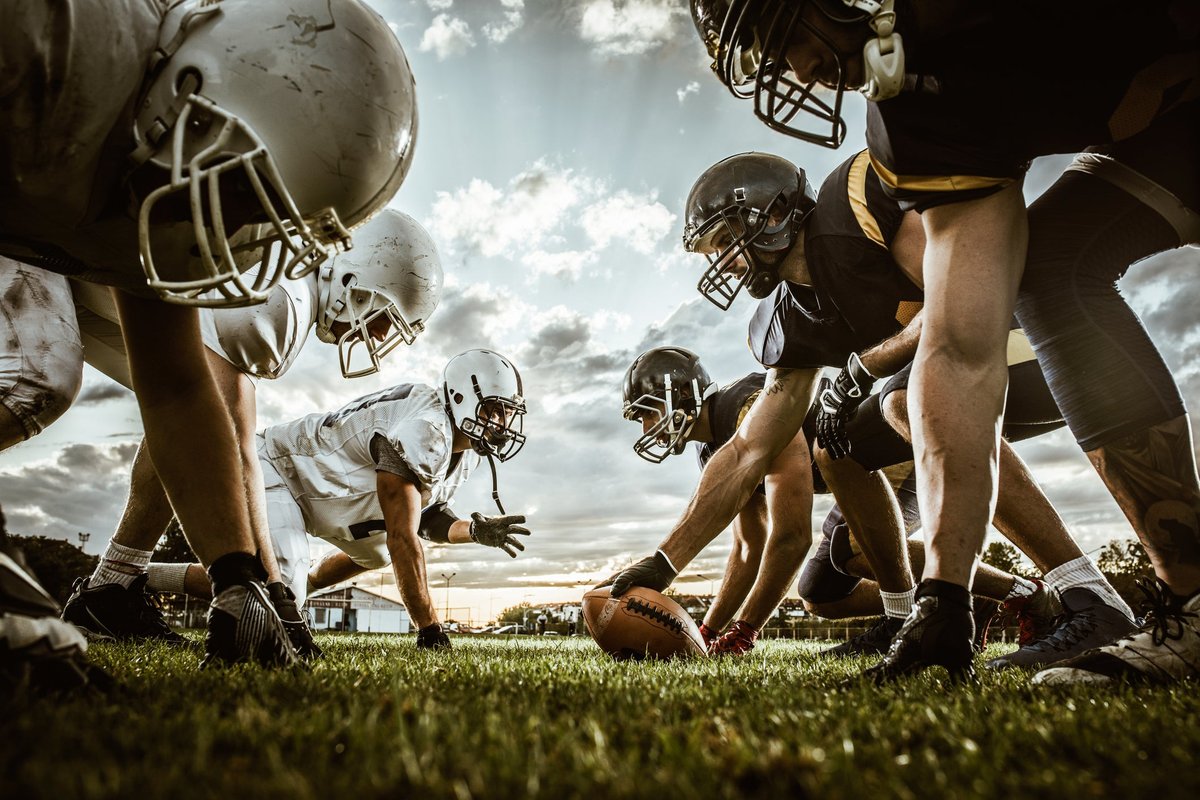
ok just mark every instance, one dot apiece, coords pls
pixel 49 326
pixel 320 474
pixel 70 75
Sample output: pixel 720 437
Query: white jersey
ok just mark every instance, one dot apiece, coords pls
pixel 72 71
pixel 264 340
pixel 326 463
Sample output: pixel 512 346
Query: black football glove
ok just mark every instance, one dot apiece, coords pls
pixel 654 572
pixel 432 637
pixel 837 400
pixel 498 531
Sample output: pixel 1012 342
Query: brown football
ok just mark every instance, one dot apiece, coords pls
pixel 641 623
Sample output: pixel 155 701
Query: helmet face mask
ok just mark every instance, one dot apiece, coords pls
pixel 749 41
pixel 730 240
pixel 197 172
pixel 668 383
pixel 483 394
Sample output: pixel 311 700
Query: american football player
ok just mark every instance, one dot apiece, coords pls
pixel 834 274
pixel 367 301
pixel 378 475
pixel 140 138
pixel 951 134
pixel 669 392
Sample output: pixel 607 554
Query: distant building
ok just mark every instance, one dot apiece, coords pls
pixel 350 608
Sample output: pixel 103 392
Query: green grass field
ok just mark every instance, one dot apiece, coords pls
pixel 556 718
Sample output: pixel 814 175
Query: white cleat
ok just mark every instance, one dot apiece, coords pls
pixel 1165 649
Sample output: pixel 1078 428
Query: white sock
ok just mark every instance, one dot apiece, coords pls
pixel 1082 572
pixel 898 604
pixel 1020 588
pixel 167 577
pixel 119 565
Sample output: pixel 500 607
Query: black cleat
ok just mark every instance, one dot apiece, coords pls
pixel 112 612
pixel 939 632
pixel 1036 614
pixel 284 600
pixel 874 641
pixel 38 651
pixel 243 626
pixel 1086 622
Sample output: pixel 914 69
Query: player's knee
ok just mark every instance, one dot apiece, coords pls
pixel 35 406
pixel 895 411
pixel 369 562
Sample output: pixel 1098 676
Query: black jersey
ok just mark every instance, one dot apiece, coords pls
pixel 1005 82
pixel 727 408
pixel 859 296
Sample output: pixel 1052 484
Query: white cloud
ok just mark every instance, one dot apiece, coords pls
pixel 692 88
pixel 639 222
pixel 497 32
pixel 513 221
pixel 447 36
pixel 629 28
pixel 566 264
pixel 439 5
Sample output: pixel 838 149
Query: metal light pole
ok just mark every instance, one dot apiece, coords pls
pixel 83 539
pixel 448 577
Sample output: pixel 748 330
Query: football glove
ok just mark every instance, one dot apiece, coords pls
pixel 498 531
pixel 654 572
pixel 432 637
pixel 838 400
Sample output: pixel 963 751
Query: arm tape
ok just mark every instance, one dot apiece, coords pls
pixel 435 523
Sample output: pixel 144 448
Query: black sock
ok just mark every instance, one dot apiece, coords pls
pixel 235 568
pixel 949 592
pixel 284 601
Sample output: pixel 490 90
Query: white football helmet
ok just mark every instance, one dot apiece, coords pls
pixel 483 395
pixel 300 114
pixel 393 272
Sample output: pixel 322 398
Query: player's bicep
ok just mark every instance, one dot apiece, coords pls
pixel 779 411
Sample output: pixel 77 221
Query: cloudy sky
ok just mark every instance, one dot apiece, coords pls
pixel 558 140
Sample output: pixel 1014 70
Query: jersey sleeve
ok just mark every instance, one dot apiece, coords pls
pixel 928 153
pixel 859 282
pixel 416 449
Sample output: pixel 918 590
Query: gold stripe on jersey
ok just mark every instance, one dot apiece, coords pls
pixel 745 409
pixel 936 183
pixel 1019 348
pixel 857 189
pixel 1143 101
pixel 906 310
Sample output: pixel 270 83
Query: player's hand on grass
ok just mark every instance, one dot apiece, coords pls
pixel 432 637
pixel 653 572
pixel 499 531
pixel 838 399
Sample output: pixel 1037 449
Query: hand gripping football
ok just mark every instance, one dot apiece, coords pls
pixel 641 623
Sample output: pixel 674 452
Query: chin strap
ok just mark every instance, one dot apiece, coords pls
pixel 883 56
pixel 495 484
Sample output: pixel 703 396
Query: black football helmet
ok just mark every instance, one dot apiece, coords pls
pixel 748 42
pixel 671 383
pixel 744 213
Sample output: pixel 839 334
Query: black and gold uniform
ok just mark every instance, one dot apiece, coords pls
pixel 859 297
pixel 975 118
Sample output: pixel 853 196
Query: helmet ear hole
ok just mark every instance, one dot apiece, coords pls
pixel 458 398
pixel 182 77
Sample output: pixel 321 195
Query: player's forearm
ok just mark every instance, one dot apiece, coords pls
pixel 891 355
pixel 408 564
pixel 726 484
